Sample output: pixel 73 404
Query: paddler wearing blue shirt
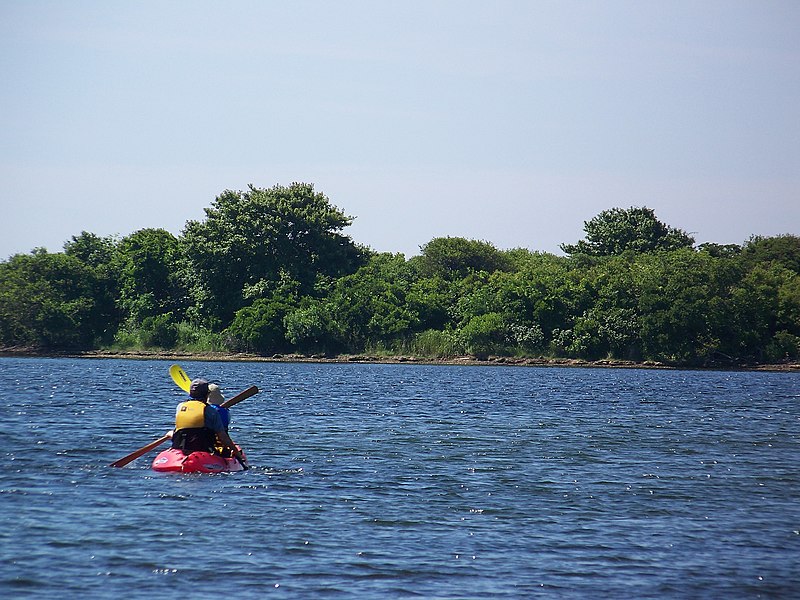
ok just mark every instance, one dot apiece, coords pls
pixel 215 399
pixel 199 426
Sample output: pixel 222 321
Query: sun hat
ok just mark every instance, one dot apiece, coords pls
pixel 215 394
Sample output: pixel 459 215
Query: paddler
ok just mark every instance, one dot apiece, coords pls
pixel 199 426
pixel 215 399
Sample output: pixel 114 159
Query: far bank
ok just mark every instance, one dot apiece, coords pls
pixel 507 361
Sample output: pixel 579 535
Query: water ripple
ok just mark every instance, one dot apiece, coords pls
pixel 378 481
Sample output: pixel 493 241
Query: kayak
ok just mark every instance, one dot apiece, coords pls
pixel 175 461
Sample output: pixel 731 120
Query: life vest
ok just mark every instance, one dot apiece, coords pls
pixel 190 415
pixel 191 434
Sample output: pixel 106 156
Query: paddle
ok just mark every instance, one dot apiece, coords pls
pixel 180 377
pixel 241 462
pixel 251 391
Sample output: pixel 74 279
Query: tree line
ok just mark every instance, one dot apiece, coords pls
pixel 269 271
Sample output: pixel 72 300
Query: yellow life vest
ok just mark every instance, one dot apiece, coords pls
pixel 190 415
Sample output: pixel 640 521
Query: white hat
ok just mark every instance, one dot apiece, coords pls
pixel 214 394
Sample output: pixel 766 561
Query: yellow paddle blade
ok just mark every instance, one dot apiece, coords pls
pixel 180 377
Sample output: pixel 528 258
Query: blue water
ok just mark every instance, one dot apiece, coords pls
pixel 396 481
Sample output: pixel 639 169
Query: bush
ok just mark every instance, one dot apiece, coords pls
pixel 436 344
pixel 485 334
pixel 159 331
pixel 528 338
pixel 192 338
pixel 259 327
pixel 310 329
pixel 783 346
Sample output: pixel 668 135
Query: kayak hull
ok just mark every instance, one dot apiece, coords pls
pixel 175 461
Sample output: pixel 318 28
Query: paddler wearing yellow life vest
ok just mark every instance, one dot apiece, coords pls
pixel 198 426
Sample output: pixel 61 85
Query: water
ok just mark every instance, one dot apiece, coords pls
pixel 394 481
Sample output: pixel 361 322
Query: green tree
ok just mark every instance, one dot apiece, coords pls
pixel 543 297
pixel 369 308
pixel 147 264
pixel 456 257
pixel 98 253
pixel 616 309
pixel 431 299
pixel 312 329
pixel 486 334
pixel 547 295
pixel 91 249
pixel 48 301
pixel 253 236
pixel 685 308
pixel 767 304
pixel 260 326
pixel 721 250
pixel 783 249
pixel 617 230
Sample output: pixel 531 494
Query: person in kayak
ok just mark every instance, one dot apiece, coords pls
pixel 215 399
pixel 199 426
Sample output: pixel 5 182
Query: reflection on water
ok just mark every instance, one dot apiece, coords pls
pixel 383 481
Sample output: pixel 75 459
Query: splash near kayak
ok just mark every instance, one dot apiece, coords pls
pixel 175 461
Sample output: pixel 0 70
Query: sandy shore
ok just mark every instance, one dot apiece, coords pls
pixel 366 358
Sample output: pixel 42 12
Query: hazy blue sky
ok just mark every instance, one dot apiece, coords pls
pixel 512 122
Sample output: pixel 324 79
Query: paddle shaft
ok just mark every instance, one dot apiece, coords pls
pixel 251 391
pixel 140 452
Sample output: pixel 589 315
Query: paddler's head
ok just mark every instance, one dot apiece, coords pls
pixel 215 394
pixel 198 389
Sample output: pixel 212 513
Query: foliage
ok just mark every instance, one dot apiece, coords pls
pixel 193 338
pixel 782 346
pixel 91 249
pixel 157 331
pixel 684 306
pixel 269 271
pixel 456 257
pixel 434 343
pixel 784 249
pixel 254 236
pixel 52 301
pixel 311 329
pixel 145 265
pixel 617 230
pixel 371 306
pixel 766 302
pixel 485 334
pixel 259 327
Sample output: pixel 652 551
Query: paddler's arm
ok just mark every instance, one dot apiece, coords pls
pixel 228 442
pixel 214 422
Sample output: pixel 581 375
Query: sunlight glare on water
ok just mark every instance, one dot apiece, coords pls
pixel 379 481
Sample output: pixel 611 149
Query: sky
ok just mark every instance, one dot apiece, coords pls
pixel 512 122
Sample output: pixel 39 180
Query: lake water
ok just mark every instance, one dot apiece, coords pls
pixel 395 481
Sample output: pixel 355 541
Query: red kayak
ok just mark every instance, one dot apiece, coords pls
pixel 175 461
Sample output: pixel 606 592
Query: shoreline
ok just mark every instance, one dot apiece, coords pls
pixel 505 361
